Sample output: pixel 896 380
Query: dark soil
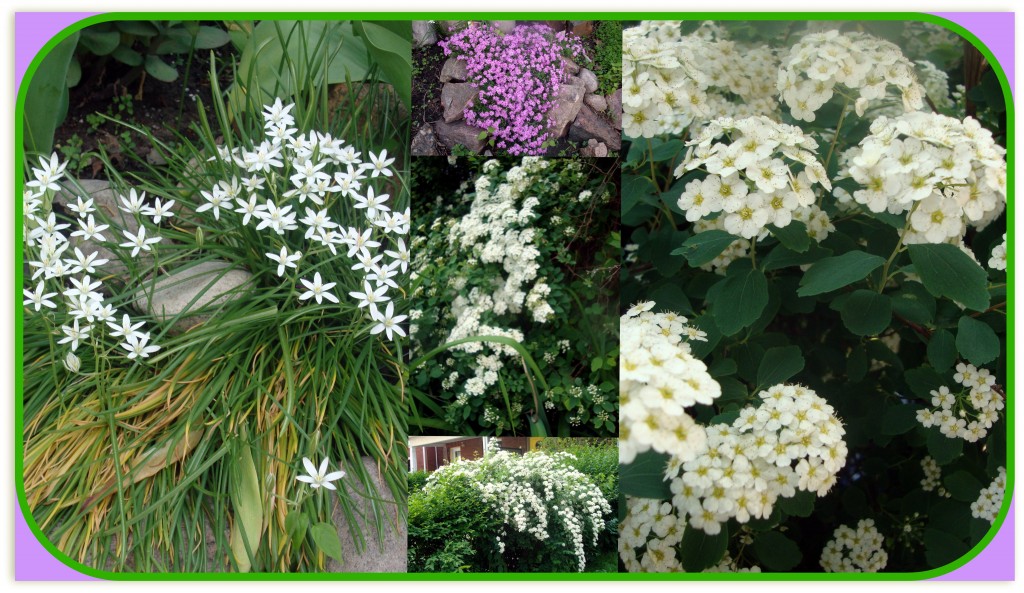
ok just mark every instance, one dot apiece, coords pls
pixel 167 109
pixel 426 85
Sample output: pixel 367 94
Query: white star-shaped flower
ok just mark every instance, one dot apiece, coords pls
pixel 388 322
pixel 320 477
pixel 284 260
pixel 318 290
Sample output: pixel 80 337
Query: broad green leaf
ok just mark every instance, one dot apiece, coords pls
pixel 801 505
pixel 942 448
pixel 325 535
pixel 46 100
pixel 390 46
pixel 913 303
pixel 776 551
pixel 976 341
pixel 866 312
pixel 296 523
pixel 247 503
pixel 160 69
pixel 704 247
pixel 637 190
pixel 941 350
pixel 836 272
pixel 857 364
pixel 100 42
pixel 922 381
pixel 963 486
pixel 948 272
pixel 783 257
pixel 667 150
pixel 127 56
pixel 645 476
pixel 738 300
pixel 941 548
pixel 779 365
pixel 793 235
pixel 211 37
pixel 698 550
pixel 137 28
pixel 899 419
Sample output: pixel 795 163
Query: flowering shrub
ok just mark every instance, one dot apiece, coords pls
pixel 518 75
pixel 514 273
pixel 819 296
pixel 263 382
pixel 545 515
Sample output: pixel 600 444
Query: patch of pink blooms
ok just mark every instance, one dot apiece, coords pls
pixel 518 75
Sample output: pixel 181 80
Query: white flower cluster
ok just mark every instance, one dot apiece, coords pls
pixel 969 413
pixel 820 62
pixel 654 527
pixel 534 492
pixel 321 169
pixel 658 380
pixel 990 500
pixel 749 183
pixel 792 441
pixel 998 259
pixel 71 277
pixel 932 477
pixel 936 84
pixel 945 172
pixel 860 550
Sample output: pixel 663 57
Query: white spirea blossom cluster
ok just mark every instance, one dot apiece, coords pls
pixel 998 259
pixel 945 172
pixel 990 499
pixel 658 380
pixel 966 414
pixel 792 441
pixel 76 277
pixel 533 494
pixel 936 84
pixel 855 550
pixel 322 170
pixel 761 175
pixel 827 63
pixel 932 479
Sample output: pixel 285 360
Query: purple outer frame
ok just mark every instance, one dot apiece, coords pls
pixel 32 562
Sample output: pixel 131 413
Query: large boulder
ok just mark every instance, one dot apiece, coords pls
pixel 389 555
pixel 567 107
pixel 589 124
pixel 596 102
pixel 455 97
pixel 459 132
pixel 192 288
pixel 589 80
pixel 454 70
pixel 570 67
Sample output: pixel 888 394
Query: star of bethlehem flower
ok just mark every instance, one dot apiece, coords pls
pixel 139 242
pixel 38 299
pixel 318 290
pixel 133 203
pixel 371 296
pixel 48 173
pixel 74 334
pixel 136 345
pixel 159 211
pixel 82 207
pixel 285 260
pixel 379 164
pixel 126 329
pixel 318 476
pixel 388 322
pixel 84 263
pixel 88 229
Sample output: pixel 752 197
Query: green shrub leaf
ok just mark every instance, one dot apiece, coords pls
pixel 698 550
pixel 866 312
pixel 948 272
pixel 976 341
pixel 942 350
pixel 776 551
pixel 739 300
pixel 645 476
pixel 836 272
pixel 704 247
pixel 778 365
pixel 325 535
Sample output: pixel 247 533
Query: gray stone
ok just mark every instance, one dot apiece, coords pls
pixel 209 284
pixel 389 555
pixel 449 27
pixel 570 67
pixel 596 102
pixel 423 33
pixel 455 97
pixel 594 149
pixel 615 108
pixel 425 142
pixel 589 124
pixel 589 80
pixel 106 201
pixel 153 157
pixel 454 70
pixel 505 27
pixel 573 81
pixel 459 133
pixel 567 106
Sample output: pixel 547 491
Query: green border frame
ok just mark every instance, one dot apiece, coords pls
pixel 637 577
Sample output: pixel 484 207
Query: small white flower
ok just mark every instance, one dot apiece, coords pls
pixel 318 290
pixel 38 299
pixel 139 242
pixel 133 203
pixel 72 362
pixel 379 164
pixel 320 477
pixel 74 334
pixel 159 211
pixel 126 329
pixel 388 322
pixel 284 260
pixel 136 346
pixel 88 229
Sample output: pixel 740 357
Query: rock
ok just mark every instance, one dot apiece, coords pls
pixel 208 284
pixel 615 108
pixel 153 157
pixel 589 80
pixel 594 149
pixel 423 33
pixel 573 81
pixel 596 102
pixel 388 556
pixel 449 27
pixel 570 67
pixel 454 69
pixel 583 28
pixel 589 124
pixel 462 133
pixel 567 106
pixel 455 96
pixel 505 27
pixel 556 26
pixel 425 142
pixel 106 201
